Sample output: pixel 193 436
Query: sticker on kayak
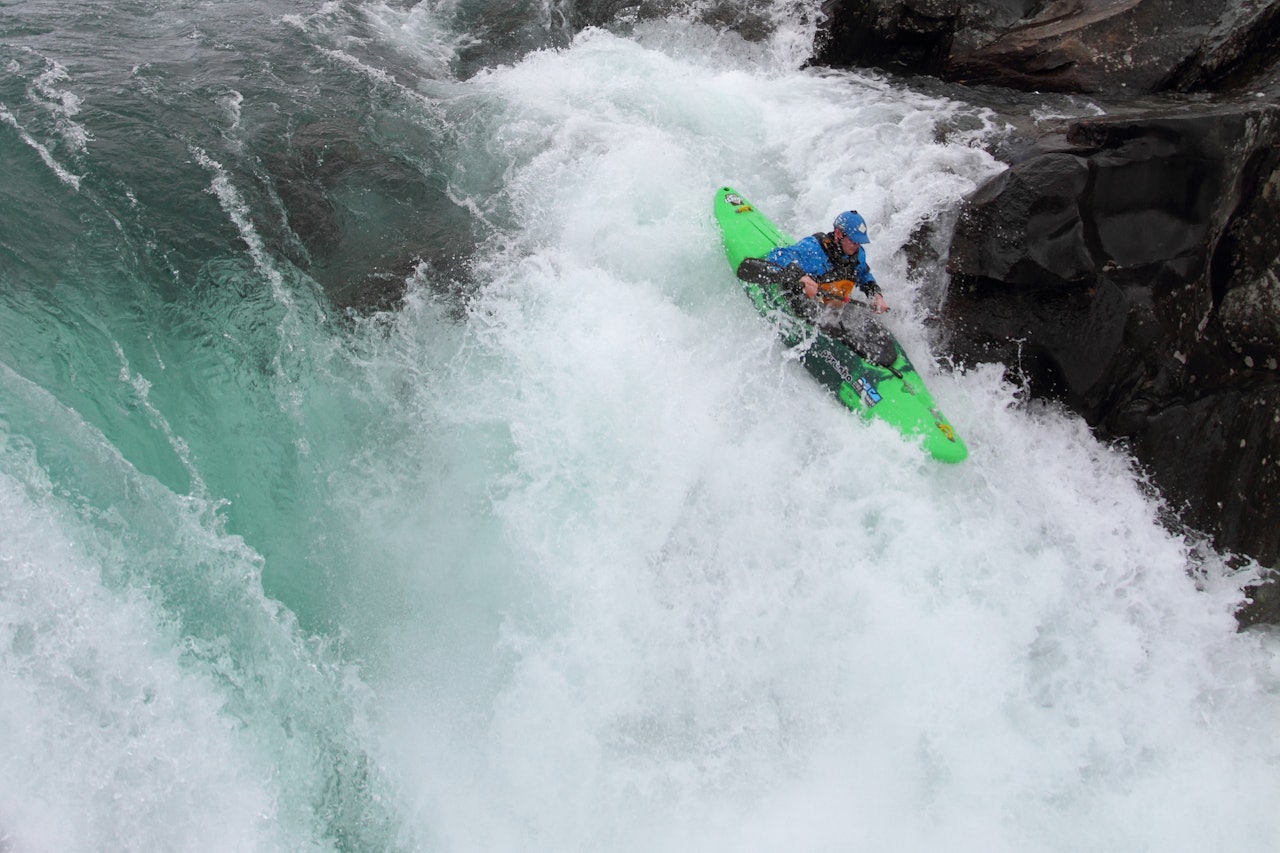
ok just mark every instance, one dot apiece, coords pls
pixel 734 199
pixel 943 426
pixel 867 391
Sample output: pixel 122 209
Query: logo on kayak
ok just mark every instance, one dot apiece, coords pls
pixel 734 199
pixel 943 426
pixel 867 391
pixel 840 369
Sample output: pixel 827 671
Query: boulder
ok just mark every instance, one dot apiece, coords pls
pixel 911 35
pixel 1248 257
pixel 1090 46
pixel 1075 46
pixel 1130 269
pixel 1025 227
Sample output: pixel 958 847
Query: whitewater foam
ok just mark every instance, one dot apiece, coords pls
pixel 566 552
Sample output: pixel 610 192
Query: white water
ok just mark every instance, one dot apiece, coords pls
pixel 743 620
pixel 613 573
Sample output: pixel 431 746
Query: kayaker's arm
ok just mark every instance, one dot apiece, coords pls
pixel 760 271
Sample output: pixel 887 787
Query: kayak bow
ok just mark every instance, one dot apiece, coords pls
pixel 884 385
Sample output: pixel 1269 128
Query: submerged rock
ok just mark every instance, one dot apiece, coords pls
pixel 360 221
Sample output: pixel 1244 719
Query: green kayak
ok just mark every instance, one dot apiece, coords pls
pixel 879 381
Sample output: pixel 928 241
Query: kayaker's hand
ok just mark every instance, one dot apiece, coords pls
pixel 810 286
pixel 878 304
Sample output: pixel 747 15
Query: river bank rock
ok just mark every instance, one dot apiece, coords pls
pixel 1074 46
pixel 1131 268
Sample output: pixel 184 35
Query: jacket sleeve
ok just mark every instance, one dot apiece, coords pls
pixel 866 281
pixel 806 254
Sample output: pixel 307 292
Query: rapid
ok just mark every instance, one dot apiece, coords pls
pixel 389 461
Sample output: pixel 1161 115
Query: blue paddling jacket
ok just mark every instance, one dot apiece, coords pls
pixel 819 255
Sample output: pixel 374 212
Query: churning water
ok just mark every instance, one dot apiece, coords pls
pixel 389 461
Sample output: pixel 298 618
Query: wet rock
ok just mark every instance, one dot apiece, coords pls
pixel 1134 276
pixel 1218 455
pixel 1248 259
pixel 1026 227
pixel 911 35
pixel 1263 607
pixel 1090 46
pixel 1079 46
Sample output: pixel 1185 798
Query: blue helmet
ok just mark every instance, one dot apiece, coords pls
pixel 853 225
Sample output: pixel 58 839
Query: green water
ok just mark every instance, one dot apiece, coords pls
pixel 387 462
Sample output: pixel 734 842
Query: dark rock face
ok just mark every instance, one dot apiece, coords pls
pixel 1074 46
pixel 1248 256
pixel 1132 270
pixel 1025 227
pixel 1078 46
pixel 913 34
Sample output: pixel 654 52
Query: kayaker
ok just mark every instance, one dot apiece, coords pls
pixel 837 256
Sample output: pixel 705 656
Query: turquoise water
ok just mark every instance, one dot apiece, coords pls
pixel 389 462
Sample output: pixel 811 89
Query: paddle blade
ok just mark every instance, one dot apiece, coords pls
pixel 760 271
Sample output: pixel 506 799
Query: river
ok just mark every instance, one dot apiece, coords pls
pixel 389 461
